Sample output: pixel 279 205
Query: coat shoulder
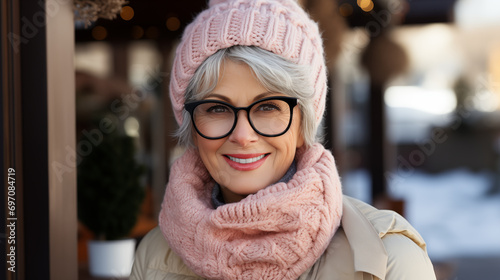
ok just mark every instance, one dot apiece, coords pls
pixel 386 222
pixel 154 259
pixel 391 248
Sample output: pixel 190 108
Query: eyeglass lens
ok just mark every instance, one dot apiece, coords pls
pixel 268 117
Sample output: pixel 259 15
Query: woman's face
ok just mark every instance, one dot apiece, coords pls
pixel 266 159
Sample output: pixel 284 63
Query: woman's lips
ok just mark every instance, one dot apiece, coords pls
pixel 245 162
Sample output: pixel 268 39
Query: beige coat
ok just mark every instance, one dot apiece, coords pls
pixel 370 244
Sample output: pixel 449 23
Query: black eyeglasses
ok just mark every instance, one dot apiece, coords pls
pixel 215 119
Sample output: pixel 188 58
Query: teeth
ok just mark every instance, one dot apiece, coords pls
pixel 245 160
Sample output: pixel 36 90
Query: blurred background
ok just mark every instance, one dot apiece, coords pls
pixel 413 112
pixel 413 120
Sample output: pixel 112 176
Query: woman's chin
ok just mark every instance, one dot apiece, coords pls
pixel 239 192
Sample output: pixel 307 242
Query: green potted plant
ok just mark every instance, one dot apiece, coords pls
pixel 109 199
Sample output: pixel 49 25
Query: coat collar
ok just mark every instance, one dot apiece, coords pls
pixel 369 252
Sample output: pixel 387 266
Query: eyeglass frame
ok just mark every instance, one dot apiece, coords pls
pixel 191 106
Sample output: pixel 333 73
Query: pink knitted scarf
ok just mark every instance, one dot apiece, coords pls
pixel 277 233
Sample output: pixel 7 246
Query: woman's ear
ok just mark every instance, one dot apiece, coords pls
pixel 300 135
pixel 300 139
pixel 195 138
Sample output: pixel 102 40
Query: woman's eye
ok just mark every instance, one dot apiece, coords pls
pixel 268 107
pixel 218 109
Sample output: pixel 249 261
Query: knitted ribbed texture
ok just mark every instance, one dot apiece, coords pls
pixel 279 26
pixel 277 233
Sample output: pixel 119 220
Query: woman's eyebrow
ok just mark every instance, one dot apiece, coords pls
pixel 266 94
pixel 228 100
pixel 218 96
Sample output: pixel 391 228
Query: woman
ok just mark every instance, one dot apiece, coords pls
pixel 255 196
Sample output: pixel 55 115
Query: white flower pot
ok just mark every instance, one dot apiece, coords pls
pixel 111 258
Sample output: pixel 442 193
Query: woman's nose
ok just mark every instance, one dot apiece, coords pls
pixel 243 134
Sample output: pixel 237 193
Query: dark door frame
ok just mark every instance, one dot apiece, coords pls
pixel 37 135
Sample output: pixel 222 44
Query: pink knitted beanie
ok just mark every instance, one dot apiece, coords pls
pixel 279 26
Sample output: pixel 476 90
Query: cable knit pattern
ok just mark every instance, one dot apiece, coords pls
pixel 279 26
pixel 277 233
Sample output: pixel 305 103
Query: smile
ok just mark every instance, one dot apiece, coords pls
pixel 246 160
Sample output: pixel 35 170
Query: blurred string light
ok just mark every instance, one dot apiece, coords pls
pixel 127 13
pixel 438 102
pixel 366 5
pixel 137 32
pixel 345 10
pixel 131 126
pixel 173 23
pixel 99 33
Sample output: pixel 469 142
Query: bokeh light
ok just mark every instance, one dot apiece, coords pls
pixel 366 5
pixel 345 10
pixel 173 23
pixel 99 33
pixel 127 13
pixel 131 127
pixel 137 32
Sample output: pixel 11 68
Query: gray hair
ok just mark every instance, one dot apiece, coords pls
pixel 274 72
